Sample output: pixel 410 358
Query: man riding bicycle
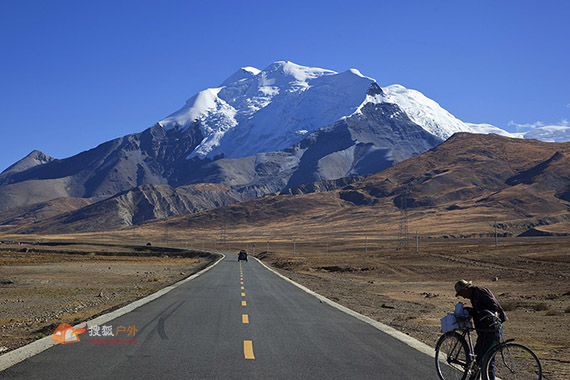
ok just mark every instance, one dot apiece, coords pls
pixel 484 305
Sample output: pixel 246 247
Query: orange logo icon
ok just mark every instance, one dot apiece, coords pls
pixel 67 334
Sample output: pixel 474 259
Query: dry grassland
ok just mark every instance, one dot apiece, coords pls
pixel 42 286
pixel 403 288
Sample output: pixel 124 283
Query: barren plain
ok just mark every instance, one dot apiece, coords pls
pixel 44 285
pixel 407 289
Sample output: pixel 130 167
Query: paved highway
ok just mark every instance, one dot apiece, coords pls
pixel 236 321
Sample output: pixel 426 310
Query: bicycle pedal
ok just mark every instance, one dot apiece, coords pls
pixel 473 374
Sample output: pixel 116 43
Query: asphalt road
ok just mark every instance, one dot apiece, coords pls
pixel 212 328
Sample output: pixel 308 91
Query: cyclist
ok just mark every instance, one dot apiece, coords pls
pixel 484 305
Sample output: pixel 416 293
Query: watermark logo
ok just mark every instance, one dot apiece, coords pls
pixel 113 336
pixel 67 334
pixel 104 334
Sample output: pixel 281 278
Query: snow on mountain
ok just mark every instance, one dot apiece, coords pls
pixel 260 111
pixel 430 115
pixel 426 112
pixel 267 110
pixel 243 73
pixel 488 128
pixel 550 133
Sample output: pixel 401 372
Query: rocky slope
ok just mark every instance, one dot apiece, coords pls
pixel 260 132
pixel 464 184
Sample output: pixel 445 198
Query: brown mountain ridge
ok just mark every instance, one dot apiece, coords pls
pixel 460 187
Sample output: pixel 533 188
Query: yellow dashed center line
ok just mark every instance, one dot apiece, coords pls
pixel 248 349
pixel 247 344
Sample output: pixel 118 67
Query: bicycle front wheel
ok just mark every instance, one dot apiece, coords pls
pixel 512 361
pixel 452 358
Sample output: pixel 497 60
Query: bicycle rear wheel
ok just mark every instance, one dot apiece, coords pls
pixel 452 358
pixel 513 361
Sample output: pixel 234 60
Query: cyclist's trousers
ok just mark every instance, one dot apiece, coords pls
pixel 484 341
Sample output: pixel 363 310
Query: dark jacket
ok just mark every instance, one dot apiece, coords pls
pixel 482 299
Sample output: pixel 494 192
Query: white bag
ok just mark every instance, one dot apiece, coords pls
pixel 460 312
pixel 460 319
pixel 462 316
pixel 449 323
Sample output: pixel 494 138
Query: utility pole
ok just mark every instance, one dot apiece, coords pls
pixel 403 232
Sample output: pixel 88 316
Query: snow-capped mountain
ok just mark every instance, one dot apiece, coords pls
pixel 259 132
pixel 426 112
pixel 549 133
pixel 488 128
pixel 256 111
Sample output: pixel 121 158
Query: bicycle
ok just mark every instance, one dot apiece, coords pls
pixel 455 356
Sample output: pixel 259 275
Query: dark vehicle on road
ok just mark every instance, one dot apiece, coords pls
pixel 242 255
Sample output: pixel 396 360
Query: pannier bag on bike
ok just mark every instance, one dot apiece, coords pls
pixel 458 320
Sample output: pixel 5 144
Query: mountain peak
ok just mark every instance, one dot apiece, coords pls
pixel 550 133
pixel 257 111
pixel 34 158
pixel 302 73
pixel 261 111
pixel 243 73
pixel 251 69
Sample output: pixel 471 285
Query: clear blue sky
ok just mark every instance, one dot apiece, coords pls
pixel 74 74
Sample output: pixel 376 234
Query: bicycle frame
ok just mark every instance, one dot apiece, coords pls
pixel 466 333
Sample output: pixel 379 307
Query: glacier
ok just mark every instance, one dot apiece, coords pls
pixel 255 111
pixel 261 111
